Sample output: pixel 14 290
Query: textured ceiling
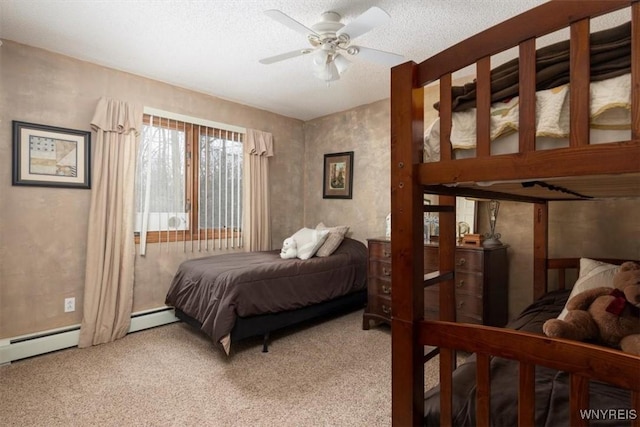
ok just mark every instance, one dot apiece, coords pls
pixel 214 46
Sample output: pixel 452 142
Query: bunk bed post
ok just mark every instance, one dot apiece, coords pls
pixel 540 248
pixel 635 72
pixel 407 304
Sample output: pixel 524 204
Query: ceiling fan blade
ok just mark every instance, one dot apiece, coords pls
pixel 288 21
pixel 287 55
pixel 379 56
pixel 370 19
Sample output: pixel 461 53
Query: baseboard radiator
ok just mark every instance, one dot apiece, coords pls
pixel 17 348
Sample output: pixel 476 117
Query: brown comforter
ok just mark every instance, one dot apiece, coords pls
pixel 610 57
pixel 215 290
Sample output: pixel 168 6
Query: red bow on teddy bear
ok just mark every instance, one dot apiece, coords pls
pixel 617 305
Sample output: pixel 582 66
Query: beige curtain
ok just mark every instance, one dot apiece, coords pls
pixel 256 231
pixel 108 294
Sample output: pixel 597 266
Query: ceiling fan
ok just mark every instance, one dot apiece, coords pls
pixel 330 40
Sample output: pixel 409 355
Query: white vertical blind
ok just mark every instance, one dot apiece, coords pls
pixel 189 184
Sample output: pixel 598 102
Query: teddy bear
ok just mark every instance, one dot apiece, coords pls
pixel 289 249
pixel 607 315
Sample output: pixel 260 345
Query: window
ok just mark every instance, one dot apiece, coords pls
pixel 188 183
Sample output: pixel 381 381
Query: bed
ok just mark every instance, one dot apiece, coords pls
pixel 580 169
pixel 551 392
pixel 235 296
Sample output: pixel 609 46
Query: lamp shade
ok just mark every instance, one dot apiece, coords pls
pixel 328 72
pixel 342 63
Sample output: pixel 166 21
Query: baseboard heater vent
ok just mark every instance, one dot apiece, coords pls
pixel 17 348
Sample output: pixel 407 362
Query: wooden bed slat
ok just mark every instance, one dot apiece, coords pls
pixel 576 161
pixel 483 110
pixel 445 117
pixel 527 91
pixel 635 72
pixel 580 79
pixel 578 400
pixel 540 248
pixel 446 385
pixel 483 390
pixel 526 393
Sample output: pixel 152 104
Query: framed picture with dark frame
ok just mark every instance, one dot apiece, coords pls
pixel 338 176
pixel 49 156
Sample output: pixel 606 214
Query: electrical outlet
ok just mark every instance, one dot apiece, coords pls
pixel 69 305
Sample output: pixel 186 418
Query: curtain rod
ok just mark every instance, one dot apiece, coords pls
pixel 194 120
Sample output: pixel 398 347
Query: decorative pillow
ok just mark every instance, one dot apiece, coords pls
pixel 335 238
pixel 593 274
pixel 309 241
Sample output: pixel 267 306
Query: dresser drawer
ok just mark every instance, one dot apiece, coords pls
pixel 379 286
pixel 379 305
pixel 469 260
pixel 469 305
pixel 469 283
pixel 380 251
pixel 380 269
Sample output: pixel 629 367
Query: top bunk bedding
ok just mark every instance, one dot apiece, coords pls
pixel 610 99
pixel 216 290
pixel 609 120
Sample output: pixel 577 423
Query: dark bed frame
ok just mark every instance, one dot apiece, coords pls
pixel 264 324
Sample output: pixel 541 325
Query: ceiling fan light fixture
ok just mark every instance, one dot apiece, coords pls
pixel 327 73
pixel 321 58
pixel 342 63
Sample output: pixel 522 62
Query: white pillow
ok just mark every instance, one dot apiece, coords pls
pixel 335 238
pixel 309 241
pixel 593 274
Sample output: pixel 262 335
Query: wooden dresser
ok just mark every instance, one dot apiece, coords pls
pixel 481 280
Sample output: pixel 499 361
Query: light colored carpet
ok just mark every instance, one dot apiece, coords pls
pixel 324 374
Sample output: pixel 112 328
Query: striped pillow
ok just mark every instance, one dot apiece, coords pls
pixel 335 238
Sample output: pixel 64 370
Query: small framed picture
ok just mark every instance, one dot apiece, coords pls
pixel 338 176
pixel 49 156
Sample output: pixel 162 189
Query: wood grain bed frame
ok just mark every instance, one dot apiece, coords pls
pixel 615 167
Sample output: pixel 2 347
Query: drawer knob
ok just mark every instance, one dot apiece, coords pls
pixel 460 284
pixel 461 262
pixel 386 271
pixel 386 289
pixel 386 253
pixel 386 310
pixel 460 304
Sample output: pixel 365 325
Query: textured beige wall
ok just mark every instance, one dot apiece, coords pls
pixel 365 131
pixel 43 230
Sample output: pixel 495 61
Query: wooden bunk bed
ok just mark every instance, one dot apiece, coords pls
pixel 599 170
